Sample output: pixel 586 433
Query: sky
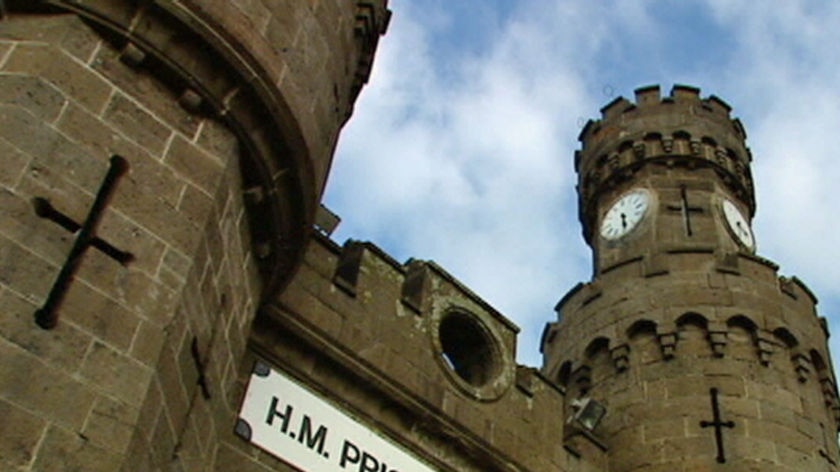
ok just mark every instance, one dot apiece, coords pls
pixel 461 146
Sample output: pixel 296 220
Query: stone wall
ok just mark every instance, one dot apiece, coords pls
pixel 226 140
pixel 391 343
pixel 651 348
pixel 114 378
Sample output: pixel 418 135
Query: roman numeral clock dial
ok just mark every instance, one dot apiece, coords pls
pixel 625 214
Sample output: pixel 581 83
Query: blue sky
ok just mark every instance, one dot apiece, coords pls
pixel 460 149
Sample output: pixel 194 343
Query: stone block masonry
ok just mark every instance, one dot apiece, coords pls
pixel 138 372
pixel 161 168
pixel 703 355
pixel 394 344
pixel 112 383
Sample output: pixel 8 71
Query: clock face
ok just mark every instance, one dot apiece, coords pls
pixel 625 214
pixel 738 225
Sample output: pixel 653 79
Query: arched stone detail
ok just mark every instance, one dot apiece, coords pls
pixel 582 380
pixel 784 336
pixel 742 334
pixel 682 135
pixel 818 361
pixel 693 329
pixel 826 381
pixel 625 146
pixel 644 342
pixel 788 344
pixel 564 374
pixel 653 136
pixel 709 141
pixel 640 327
pixel 596 346
pixel 597 357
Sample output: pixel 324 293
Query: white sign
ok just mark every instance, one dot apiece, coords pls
pixel 294 424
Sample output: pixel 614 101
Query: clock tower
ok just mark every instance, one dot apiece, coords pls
pixel 701 353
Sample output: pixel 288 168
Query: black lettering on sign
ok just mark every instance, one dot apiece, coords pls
pixel 349 454
pixel 311 441
pixel 284 416
pixel 369 463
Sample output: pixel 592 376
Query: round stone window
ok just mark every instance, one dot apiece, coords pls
pixel 472 355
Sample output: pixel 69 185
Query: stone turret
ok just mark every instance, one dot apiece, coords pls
pixel 679 130
pixel 163 164
pixel 682 319
pixel 686 148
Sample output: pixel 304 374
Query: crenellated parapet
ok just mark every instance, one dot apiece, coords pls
pixel 372 20
pixel 681 130
pixel 413 337
pixel 742 314
pixel 699 350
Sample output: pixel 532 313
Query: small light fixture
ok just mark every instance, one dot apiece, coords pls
pixel 587 413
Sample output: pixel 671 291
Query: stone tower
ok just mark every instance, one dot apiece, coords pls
pixel 161 169
pixel 170 298
pixel 702 355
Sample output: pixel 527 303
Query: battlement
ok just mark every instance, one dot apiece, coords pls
pixel 649 101
pixel 737 279
pixel 421 289
pixel 681 130
pixel 743 310
pixel 424 340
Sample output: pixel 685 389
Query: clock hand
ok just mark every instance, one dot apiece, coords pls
pixel 624 221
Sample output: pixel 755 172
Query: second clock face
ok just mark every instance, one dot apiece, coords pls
pixel 738 225
pixel 625 214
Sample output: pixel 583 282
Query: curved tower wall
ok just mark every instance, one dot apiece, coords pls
pixel 680 306
pixel 225 114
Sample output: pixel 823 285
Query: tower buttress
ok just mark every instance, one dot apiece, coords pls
pixel 700 352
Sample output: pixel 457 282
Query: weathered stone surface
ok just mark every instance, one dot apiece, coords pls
pixel 48 392
pixel 116 374
pixel 65 451
pixel 161 101
pixel 150 360
pixel 111 424
pixel 65 346
pixel 15 163
pixel 76 81
pixel 122 350
pixel 32 93
pixel 21 433
pixel 137 124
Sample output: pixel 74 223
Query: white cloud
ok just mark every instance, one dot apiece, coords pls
pixel 465 156
pixel 789 66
